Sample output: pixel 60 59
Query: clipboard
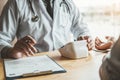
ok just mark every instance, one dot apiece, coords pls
pixel 31 66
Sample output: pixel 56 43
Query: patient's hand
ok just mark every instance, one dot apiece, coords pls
pixel 100 45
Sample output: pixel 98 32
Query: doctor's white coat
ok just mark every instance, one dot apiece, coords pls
pixel 49 33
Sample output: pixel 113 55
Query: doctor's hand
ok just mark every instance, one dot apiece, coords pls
pixel 23 48
pixel 89 40
pixel 100 45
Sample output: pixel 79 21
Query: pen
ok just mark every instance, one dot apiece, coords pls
pixel 37 73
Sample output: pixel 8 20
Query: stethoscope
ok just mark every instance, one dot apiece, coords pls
pixel 35 17
pixel 64 3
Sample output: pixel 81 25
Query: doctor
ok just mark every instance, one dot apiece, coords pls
pixel 39 25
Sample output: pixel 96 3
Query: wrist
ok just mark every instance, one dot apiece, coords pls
pixel 5 52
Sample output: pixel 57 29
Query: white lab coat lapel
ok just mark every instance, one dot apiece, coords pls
pixel 56 12
pixel 61 15
pixel 61 25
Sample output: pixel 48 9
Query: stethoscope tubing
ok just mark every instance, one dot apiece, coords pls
pixel 35 17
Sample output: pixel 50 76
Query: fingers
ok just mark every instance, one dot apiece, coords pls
pixel 110 38
pixel 25 45
pixel 107 37
pixel 34 50
pixel 90 44
pixel 89 40
pixel 29 39
pixel 98 41
pixel 104 46
pixel 22 47
pixel 29 49
pixel 83 38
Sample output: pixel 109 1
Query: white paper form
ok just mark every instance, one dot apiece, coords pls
pixel 18 67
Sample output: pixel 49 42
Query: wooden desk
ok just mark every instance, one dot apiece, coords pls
pixel 80 69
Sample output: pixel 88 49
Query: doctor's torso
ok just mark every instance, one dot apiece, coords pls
pixel 50 33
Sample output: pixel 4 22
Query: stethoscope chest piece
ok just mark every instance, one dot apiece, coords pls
pixel 35 18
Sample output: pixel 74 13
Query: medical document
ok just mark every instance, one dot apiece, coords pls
pixel 35 64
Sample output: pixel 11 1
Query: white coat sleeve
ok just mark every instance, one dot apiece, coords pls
pixel 8 24
pixel 79 28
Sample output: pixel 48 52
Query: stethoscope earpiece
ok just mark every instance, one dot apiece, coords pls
pixel 35 18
